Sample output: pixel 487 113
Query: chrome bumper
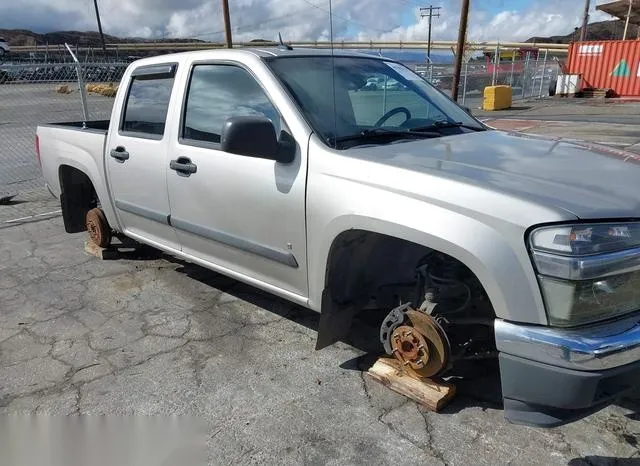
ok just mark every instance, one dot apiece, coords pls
pixel 592 348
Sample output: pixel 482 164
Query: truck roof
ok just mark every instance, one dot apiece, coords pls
pixel 262 52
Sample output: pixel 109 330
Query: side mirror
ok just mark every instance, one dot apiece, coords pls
pixel 255 136
pixel 467 109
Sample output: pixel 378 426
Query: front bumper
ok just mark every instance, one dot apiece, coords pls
pixel 552 376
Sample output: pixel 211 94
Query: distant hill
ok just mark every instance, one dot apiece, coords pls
pixel 602 30
pixel 18 37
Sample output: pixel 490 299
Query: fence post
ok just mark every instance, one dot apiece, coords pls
pixel 533 81
pixel 464 85
pixel 513 65
pixel 496 62
pixel 83 92
pixel 544 72
pixel 524 73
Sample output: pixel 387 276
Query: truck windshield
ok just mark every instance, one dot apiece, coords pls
pixel 376 101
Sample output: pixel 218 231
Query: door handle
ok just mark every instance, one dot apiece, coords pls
pixel 120 154
pixel 183 166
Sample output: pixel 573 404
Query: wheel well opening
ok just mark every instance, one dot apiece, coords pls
pixel 78 196
pixel 368 274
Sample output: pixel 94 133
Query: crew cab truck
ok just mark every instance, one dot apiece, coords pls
pixel 272 166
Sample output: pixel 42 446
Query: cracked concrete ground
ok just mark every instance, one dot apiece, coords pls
pixel 153 335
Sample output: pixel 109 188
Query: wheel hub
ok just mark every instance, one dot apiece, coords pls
pixel 419 343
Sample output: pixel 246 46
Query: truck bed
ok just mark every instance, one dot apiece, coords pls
pixel 72 145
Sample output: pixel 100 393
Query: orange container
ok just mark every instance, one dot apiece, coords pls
pixel 612 64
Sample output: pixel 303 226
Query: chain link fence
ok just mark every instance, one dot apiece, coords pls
pixel 37 93
pixel 530 78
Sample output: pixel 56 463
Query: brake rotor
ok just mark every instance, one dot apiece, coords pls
pixel 422 347
pixel 98 227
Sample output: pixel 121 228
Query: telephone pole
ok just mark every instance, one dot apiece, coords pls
pixel 227 23
pixel 430 14
pixel 585 21
pixel 104 47
pixel 462 35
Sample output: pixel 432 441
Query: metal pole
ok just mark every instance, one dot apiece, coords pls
pixel 464 85
pixel 83 92
pixel 513 66
pixel 544 72
pixel 462 34
pixel 585 21
pixel 626 23
pixel 429 35
pixel 533 81
pixel 524 73
pixel 104 47
pixel 496 61
pixel 227 23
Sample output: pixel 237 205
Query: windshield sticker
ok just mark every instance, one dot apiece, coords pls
pixel 404 72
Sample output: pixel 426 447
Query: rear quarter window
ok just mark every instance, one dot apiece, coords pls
pixel 147 104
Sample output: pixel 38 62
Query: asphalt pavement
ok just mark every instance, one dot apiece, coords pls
pixel 147 334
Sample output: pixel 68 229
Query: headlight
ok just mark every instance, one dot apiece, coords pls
pixel 587 272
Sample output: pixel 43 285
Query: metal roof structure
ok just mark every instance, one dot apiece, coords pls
pixel 626 10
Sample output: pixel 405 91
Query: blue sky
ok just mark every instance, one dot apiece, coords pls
pixel 299 19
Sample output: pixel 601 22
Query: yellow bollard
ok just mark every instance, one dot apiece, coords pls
pixel 497 98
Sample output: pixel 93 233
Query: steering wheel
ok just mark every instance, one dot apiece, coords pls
pixel 392 112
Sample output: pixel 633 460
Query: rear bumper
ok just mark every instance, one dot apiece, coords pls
pixel 554 376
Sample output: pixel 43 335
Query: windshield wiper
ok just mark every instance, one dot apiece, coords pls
pixel 447 124
pixel 367 135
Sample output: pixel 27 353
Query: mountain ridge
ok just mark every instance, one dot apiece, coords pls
pixel 601 30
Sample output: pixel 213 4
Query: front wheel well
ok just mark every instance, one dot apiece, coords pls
pixel 78 196
pixel 371 271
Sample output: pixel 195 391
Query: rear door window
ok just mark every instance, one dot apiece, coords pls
pixel 147 104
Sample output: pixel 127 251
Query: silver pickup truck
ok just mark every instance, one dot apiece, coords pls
pixel 346 183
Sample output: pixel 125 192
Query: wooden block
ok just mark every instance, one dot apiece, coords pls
pixel 432 395
pixel 101 253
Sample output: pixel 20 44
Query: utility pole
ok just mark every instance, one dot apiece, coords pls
pixel 227 23
pixel 462 35
pixel 104 47
pixel 585 21
pixel 626 23
pixel 430 14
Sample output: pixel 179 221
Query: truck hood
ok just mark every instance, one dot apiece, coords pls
pixel 587 180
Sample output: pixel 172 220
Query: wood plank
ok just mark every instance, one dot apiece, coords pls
pixel 429 393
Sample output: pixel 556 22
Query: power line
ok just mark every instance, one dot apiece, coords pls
pixel 430 15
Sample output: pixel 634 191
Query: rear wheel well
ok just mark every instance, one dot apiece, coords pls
pixel 78 196
pixel 367 270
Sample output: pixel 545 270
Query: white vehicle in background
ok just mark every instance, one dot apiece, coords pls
pixel 4 47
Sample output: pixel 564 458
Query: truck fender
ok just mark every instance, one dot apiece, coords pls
pixel 505 277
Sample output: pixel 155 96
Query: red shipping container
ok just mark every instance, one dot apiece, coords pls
pixel 609 64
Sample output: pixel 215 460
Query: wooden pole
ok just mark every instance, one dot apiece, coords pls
pixel 585 21
pixel 104 47
pixel 626 23
pixel 227 23
pixel 462 34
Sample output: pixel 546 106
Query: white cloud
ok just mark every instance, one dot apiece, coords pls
pixel 297 19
